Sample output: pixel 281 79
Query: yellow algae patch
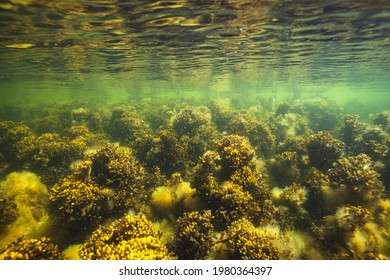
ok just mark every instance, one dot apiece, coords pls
pixel 131 237
pixel 162 199
pixel 166 200
pixel 165 229
pixel 358 242
pixel 294 245
pixel 384 214
pixel 185 193
pixel 30 197
pixel 71 252
pixel 276 193
pixel 183 190
pixel 20 46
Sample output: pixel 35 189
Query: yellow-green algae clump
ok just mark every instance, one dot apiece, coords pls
pixel 80 202
pixel 129 238
pixel 193 236
pixel 31 249
pixel 116 172
pixel 244 242
pixel 25 193
pixel 229 181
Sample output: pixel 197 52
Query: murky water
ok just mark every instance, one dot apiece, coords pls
pixel 305 83
pixel 194 47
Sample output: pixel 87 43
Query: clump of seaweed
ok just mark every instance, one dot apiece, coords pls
pixel 351 131
pixel 245 242
pixel 356 173
pixel 177 146
pixel 383 120
pixel 289 202
pixel 289 126
pixel 254 180
pixel 116 168
pixel 130 238
pixel 228 182
pixel 188 120
pixel 372 142
pixel 49 155
pixel 158 116
pixel 282 109
pixel 235 152
pixel 193 236
pixel 162 150
pixel 221 115
pixel 124 124
pixel 83 203
pixel 31 249
pixel 173 198
pixel 350 217
pixel 385 170
pixel 258 133
pixel 8 210
pixel 284 168
pixel 91 118
pixel 323 115
pixel 16 142
pixel 229 202
pixel 50 118
pixel 298 145
pixel 52 155
pixel 324 150
pixel 197 144
pixel 318 185
pixel 25 193
pixel 350 233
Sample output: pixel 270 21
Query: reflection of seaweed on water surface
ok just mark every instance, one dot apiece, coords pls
pixel 205 181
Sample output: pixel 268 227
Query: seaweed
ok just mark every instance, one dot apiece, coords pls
pixel 195 180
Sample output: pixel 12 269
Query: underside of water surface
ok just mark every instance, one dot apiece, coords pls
pixel 194 129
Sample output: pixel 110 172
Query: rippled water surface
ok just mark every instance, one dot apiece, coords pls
pixel 238 129
pixel 190 47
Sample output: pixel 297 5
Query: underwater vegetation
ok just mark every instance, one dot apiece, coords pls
pixel 178 179
pixel 129 238
pixel 31 249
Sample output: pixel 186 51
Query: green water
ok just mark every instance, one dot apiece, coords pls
pixel 304 83
pixel 120 49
